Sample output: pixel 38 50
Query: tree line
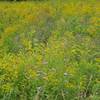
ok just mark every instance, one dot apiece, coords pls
pixel 23 0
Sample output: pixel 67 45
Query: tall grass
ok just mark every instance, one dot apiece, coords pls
pixel 50 50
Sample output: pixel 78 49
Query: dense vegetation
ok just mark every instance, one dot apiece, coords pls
pixel 50 50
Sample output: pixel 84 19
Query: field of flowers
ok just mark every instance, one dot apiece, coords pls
pixel 50 50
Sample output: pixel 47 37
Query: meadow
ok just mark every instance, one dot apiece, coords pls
pixel 50 50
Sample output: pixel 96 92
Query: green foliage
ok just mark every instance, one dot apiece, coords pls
pixel 50 50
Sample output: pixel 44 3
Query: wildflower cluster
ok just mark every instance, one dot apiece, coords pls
pixel 50 50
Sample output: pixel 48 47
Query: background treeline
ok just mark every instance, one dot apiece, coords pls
pixel 23 0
